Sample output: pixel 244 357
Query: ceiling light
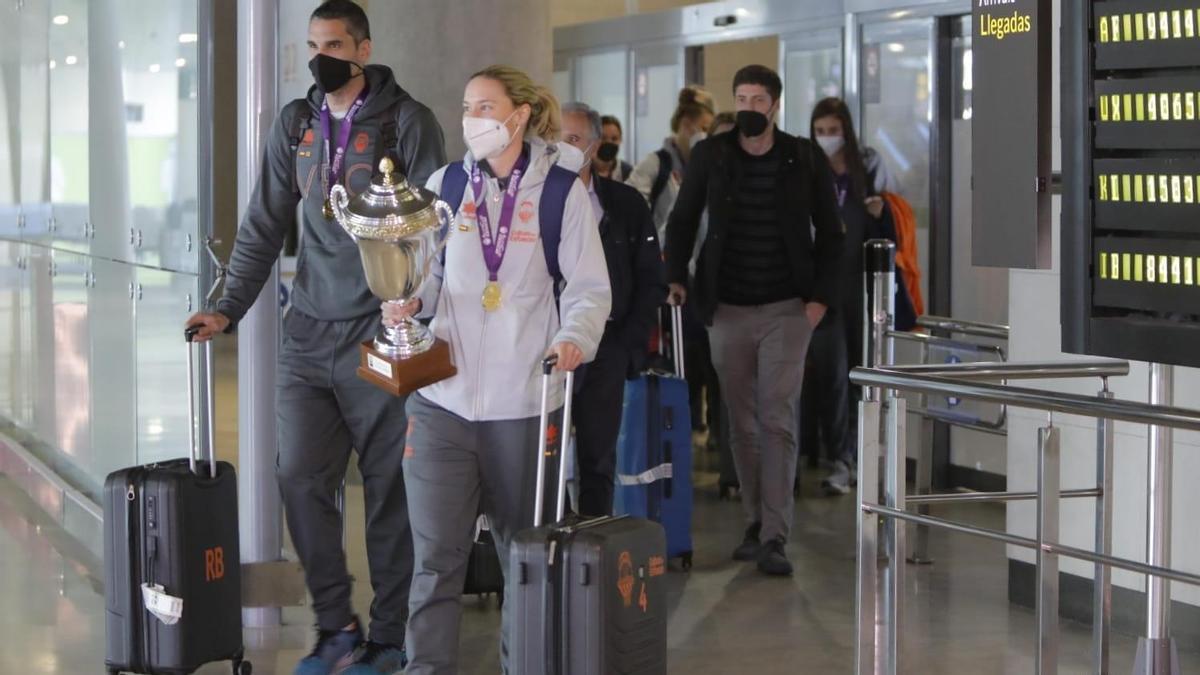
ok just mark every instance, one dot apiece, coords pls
pixel 62 20
pixel 72 60
pixel 187 38
pixel 121 44
pixel 154 67
pixel 895 47
pixel 180 63
pixel 53 64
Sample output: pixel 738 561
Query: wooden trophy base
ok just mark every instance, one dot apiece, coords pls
pixel 400 377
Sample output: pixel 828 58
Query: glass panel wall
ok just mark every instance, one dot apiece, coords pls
pixel 99 234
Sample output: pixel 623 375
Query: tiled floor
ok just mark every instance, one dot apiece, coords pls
pixel 725 617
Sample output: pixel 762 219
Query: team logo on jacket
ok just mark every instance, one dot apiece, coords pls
pixel 526 212
pixel 523 237
pixel 468 210
pixel 308 138
pixel 361 141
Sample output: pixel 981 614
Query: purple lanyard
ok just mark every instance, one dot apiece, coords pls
pixel 495 248
pixel 335 161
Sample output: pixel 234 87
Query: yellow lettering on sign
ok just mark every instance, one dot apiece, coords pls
pixel 1125 265
pixel 1151 194
pixel 1177 23
pixel 1177 105
pixel 1153 108
pixel 1104 265
pixel 1126 188
pixel 1115 187
pixel 1137 267
pixel 1116 266
pixel 1176 274
pixel 1128 19
pixel 1189 23
pixel 1128 107
pixel 1162 269
pixel 1103 29
pixel 1141 107
pixel 1116 107
pixel 1116 28
pixel 1164 189
pixel 1176 190
pixel 1103 189
pixel 1164 107
pixel 1164 24
pixel 1137 188
pixel 1189 105
pixel 1140 24
pixel 1151 270
pixel 1151 26
pixel 1188 195
pixel 1188 279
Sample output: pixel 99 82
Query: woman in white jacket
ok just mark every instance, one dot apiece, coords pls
pixel 473 439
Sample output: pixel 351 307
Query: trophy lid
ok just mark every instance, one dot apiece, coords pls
pixel 390 209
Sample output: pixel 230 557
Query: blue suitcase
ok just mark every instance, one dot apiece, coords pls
pixel 654 453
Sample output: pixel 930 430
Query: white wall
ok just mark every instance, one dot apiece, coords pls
pixel 1034 317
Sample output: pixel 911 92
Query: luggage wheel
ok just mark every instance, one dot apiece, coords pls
pixel 685 561
pixel 242 666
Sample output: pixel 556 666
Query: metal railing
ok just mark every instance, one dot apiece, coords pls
pixel 882 518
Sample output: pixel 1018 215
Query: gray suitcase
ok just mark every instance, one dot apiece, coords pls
pixel 590 593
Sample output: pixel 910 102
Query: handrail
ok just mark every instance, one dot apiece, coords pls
pixel 1007 370
pixel 962 327
pixel 1035 399
pixel 948 343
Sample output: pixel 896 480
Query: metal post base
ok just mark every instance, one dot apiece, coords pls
pixel 1156 657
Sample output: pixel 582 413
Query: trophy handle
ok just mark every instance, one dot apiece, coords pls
pixel 339 199
pixel 446 220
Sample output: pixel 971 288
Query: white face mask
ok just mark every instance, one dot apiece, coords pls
pixel 696 138
pixel 486 137
pixel 572 158
pixel 831 144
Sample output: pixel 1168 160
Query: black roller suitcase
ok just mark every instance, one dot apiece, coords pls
pixel 590 594
pixel 172 528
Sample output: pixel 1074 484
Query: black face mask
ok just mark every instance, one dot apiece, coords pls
pixel 752 123
pixel 607 152
pixel 331 73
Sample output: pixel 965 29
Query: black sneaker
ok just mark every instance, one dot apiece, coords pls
pixel 376 658
pixel 333 652
pixel 750 547
pixel 773 561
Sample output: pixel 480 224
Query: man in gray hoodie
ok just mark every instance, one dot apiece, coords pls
pixel 354 115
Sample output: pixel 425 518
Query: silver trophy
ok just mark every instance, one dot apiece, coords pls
pixel 400 229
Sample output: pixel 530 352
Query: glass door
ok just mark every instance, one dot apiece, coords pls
pixel 812 70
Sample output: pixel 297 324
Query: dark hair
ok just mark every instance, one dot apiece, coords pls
pixel 760 75
pixel 594 121
pixel 612 119
pixel 855 166
pixel 694 103
pixel 721 118
pixel 348 11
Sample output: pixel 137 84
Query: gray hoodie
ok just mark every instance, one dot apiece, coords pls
pixel 498 354
pixel 330 284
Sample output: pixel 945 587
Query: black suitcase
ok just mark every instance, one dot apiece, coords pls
pixel 484 576
pixel 591 593
pixel 171 564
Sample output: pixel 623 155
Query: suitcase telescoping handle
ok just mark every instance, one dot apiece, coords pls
pixel 676 339
pixel 206 418
pixel 543 431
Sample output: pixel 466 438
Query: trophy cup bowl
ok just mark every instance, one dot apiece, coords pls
pixel 400 230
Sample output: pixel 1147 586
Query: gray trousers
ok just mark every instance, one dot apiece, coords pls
pixel 324 410
pixel 455 469
pixel 759 356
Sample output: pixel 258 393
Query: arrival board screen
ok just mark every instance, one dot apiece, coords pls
pixel 1131 179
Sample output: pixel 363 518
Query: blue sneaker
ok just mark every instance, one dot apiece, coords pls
pixel 333 652
pixel 375 658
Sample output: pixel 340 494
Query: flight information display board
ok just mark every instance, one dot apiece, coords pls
pixel 1131 179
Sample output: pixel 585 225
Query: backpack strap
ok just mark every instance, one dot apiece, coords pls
pixel 454 186
pixel 660 179
pixel 299 114
pixel 550 219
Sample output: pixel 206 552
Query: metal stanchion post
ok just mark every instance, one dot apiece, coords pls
pixel 1102 599
pixel 1156 654
pixel 865 662
pixel 894 487
pixel 920 554
pixel 1047 563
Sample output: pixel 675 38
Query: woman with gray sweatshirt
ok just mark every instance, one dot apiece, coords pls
pixel 498 302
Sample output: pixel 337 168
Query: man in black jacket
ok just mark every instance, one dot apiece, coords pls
pixel 762 284
pixel 638 288
pixel 354 115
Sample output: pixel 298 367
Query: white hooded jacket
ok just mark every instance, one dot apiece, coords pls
pixel 498 354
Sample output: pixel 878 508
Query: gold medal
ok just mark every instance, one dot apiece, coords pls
pixel 328 210
pixel 491 296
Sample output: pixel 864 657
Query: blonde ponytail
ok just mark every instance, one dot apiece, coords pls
pixel 546 118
